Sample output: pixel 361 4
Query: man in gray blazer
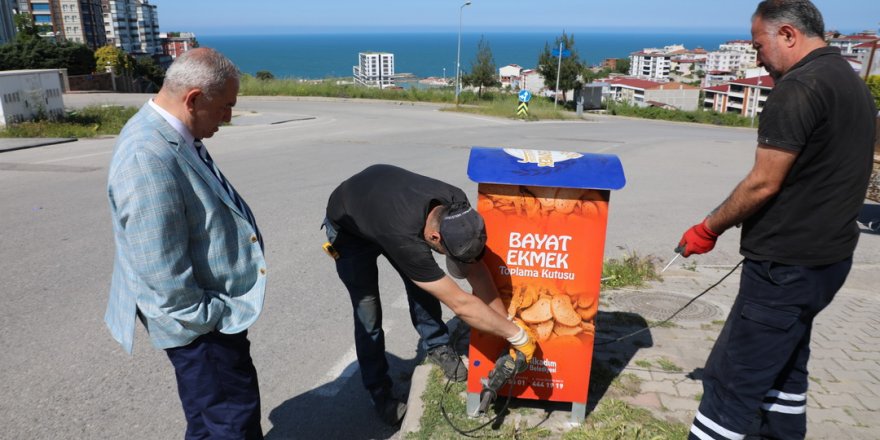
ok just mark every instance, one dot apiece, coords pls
pixel 189 257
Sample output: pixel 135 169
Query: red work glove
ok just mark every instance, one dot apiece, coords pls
pixel 699 239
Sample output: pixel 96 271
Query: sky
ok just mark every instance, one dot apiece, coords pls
pixel 236 17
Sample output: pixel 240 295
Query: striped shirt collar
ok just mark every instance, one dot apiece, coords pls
pixel 175 123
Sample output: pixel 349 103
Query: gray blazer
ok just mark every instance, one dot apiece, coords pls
pixel 186 257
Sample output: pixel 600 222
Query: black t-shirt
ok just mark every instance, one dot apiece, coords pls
pixel 388 206
pixel 824 112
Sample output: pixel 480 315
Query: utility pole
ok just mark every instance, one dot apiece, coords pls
pixel 870 61
pixel 558 72
pixel 458 54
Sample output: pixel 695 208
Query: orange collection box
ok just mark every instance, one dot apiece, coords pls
pixel 546 214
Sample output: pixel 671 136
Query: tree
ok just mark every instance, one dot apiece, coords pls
pixel 264 75
pixel 120 62
pixel 622 66
pixel 589 75
pixel 30 51
pixel 25 27
pixel 874 85
pixel 483 71
pixel 78 58
pixel 146 69
pixel 571 66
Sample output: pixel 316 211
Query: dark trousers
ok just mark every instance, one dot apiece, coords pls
pixel 357 269
pixel 755 380
pixel 217 384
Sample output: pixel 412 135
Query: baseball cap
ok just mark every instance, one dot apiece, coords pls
pixel 463 233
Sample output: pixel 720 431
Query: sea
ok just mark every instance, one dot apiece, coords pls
pixel 427 54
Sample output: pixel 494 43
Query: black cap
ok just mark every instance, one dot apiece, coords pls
pixel 463 233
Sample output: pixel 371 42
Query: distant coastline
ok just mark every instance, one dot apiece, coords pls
pixel 425 54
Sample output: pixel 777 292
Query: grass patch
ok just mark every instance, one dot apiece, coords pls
pixel 644 363
pixel 505 105
pixel 698 116
pixel 631 270
pixel 627 384
pixel 662 324
pixel 667 365
pixel 336 88
pixel 491 103
pixel 615 419
pixel 699 396
pixel 434 425
pixel 83 123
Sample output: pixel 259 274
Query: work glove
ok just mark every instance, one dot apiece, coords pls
pixel 523 342
pixel 699 239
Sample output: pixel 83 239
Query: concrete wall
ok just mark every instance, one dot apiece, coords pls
pixel 96 81
pixel 682 99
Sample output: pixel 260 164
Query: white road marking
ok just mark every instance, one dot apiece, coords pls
pixel 62 159
pixel 336 376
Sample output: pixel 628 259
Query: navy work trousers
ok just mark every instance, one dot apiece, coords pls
pixel 217 384
pixel 358 270
pixel 755 380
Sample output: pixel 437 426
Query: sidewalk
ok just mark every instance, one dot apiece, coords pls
pixel 844 394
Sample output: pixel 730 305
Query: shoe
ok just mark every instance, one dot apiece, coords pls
pixel 450 362
pixel 390 410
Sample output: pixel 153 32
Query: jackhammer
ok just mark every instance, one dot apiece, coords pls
pixel 506 368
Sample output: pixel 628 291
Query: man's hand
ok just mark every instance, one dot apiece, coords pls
pixel 523 342
pixel 699 239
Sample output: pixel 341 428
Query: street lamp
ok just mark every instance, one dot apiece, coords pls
pixel 458 54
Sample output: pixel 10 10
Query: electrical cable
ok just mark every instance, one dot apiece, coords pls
pixel 656 324
pixel 467 433
pixel 456 336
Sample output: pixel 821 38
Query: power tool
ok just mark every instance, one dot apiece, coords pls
pixel 506 367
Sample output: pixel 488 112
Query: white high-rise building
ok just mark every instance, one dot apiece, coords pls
pixel 650 64
pixel 7 27
pixel 374 69
pixel 133 26
pixel 733 57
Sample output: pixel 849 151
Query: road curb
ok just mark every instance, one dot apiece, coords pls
pixel 414 405
pixel 14 144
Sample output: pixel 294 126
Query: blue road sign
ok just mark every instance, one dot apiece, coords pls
pixel 565 53
pixel 525 95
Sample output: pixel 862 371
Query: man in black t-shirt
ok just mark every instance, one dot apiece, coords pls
pixel 798 207
pixel 405 216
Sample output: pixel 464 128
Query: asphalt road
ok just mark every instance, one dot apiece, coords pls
pixel 62 375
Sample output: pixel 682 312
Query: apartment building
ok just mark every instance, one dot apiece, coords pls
pixel 848 43
pixel 650 65
pixel 657 63
pixel 645 93
pixel 868 57
pixel 176 43
pixel 745 97
pixel 41 10
pixel 8 8
pixel 518 78
pixel 374 69
pixel 510 75
pixel 82 22
pixel 77 21
pixel 732 57
pixel 133 26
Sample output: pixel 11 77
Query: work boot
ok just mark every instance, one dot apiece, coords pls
pixel 449 361
pixel 390 410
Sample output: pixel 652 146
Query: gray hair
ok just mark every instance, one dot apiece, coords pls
pixel 801 14
pixel 200 68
